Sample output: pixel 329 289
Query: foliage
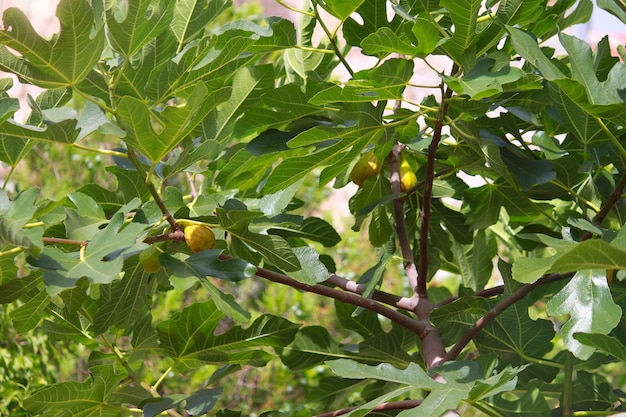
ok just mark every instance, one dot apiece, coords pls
pixel 515 153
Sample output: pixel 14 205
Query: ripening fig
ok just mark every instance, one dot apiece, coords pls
pixel 368 166
pixel 408 179
pixel 199 237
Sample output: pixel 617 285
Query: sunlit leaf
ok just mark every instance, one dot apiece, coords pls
pixel 587 300
pixel 63 61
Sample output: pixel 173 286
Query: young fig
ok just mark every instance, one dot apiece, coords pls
pixel 368 166
pixel 149 259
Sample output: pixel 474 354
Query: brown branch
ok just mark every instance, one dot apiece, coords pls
pixel 608 205
pixel 396 405
pixel 401 231
pixel 402 303
pixel 428 189
pixel 494 312
pixel 433 350
pixel 176 235
pixel 417 327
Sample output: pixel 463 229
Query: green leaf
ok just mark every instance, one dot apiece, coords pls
pixel 207 263
pixel 366 323
pixel 274 248
pixel 312 228
pixel 604 343
pixel 101 261
pixel 442 397
pixel 484 80
pixel 29 314
pixel 386 41
pixel 127 299
pixel 475 261
pixel 386 82
pixel 279 107
pixel 513 335
pixel 189 338
pixel 249 85
pixel 604 92
pixel 616 7
pixel 428 37
pixel 341 9
pixel 486 201
pixel 14 216
pixel 143 21
pixel 311 346
pixel 313 270
pixel 192 16
pixel 176 122
pixel 63 61
pixel 588 301
pixel 590 254
pixel 330 391
pixel 91 397
pixel 373 15
pixel 463 15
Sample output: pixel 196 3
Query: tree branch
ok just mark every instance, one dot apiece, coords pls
pixel 407 322
pixel 396 405
pixel 498 309
pixel 401 232
pixel 428 189
pixel 381 296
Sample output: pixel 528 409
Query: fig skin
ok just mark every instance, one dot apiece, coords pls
pixel 199 237
pixel 368 166
pixel 408 179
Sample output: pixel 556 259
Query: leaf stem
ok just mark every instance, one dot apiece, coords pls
pixel 100 151
pixel 12 251
pixel 333 40
pixel 293 9
pixel 568 373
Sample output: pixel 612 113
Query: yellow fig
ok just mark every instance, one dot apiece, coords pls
pixel 199 237
pixel 408 179
pixel 368 166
